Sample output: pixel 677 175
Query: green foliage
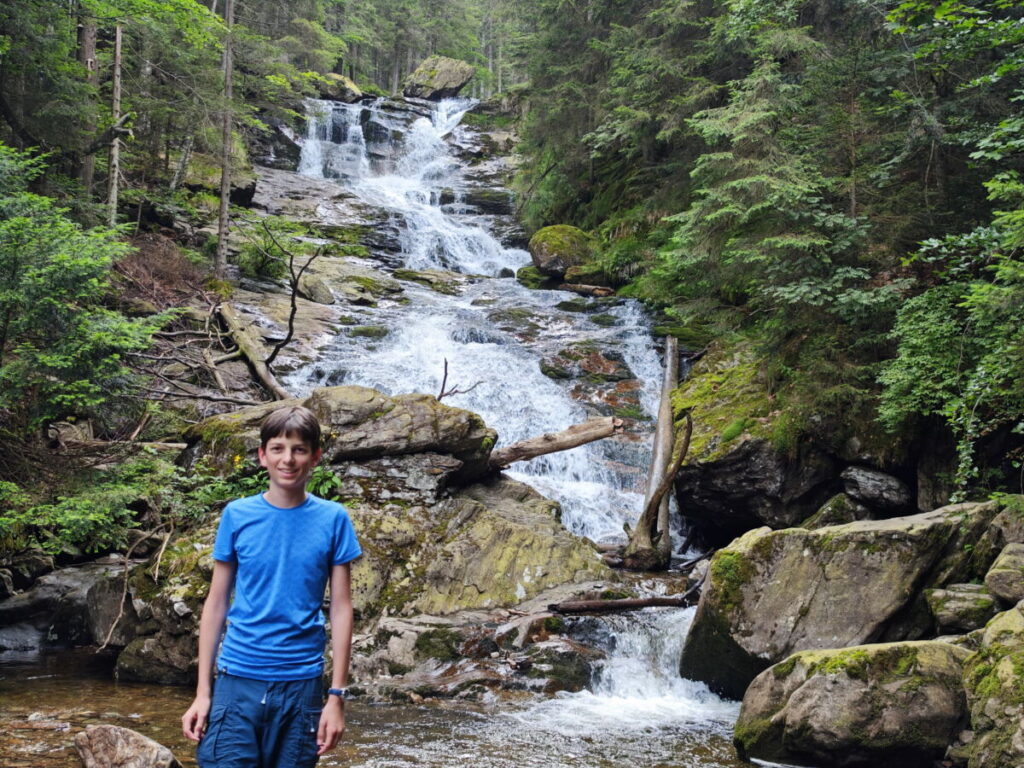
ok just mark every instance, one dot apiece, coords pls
pixel 268 243
pixel 61 351
pixel 325 483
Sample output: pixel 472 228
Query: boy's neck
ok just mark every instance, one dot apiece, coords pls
pixel 285 498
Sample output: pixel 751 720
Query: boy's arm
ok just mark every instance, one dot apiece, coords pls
pixel 211 624
pixel 332 721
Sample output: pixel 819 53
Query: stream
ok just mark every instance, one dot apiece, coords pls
pixel 496 337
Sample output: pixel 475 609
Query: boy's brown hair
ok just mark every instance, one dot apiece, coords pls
pixel 292 419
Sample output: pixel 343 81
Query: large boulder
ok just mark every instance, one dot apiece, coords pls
pixel 877 489
pixel 1005 578
pixel 556 248
pixel 438 77
pixel 773 593
pixel 358 423
pixel 993 678
pixel 111 746
pixel 888 704
pixel 335 87
pixel 960 608
pixel 736 478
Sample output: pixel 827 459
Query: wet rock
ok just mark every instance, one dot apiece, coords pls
pixel 877 489
pixel 556 248
pixel 277 147
pixel 335 87
pixel 359 423
pixel 6 584
pixel 1005 579
pixel 889 704
pixel 830 588
pixel 111 746
pixel 838 510
pixel 26 567
pixel 53 612
pixel 754 484
pixel 992 677
pixel 497 201
pixel 104 607
pixel 588 275
pixel 419 478
pixel 436 279
pixel 584 359
pixel 532 277
pixel 163 658
pixel 438 77
pixel 315 289
pixel 960 608
pixel 503 544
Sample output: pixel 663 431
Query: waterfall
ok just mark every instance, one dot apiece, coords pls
pixel 401 162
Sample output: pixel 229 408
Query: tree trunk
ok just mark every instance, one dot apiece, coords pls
pixel 87 57
pixel 252 349
pixel 626 604
pixel 552 442
pixel 182 169
pixel 115 145
pixel 650 546
pixel 221 260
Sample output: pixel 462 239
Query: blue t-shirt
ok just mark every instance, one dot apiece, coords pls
pixel 275 626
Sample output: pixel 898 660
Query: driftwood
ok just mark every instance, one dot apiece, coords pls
pixel 586 290
pixel 650 545
pixel 552 442
pixel 252 349
pixel 627 604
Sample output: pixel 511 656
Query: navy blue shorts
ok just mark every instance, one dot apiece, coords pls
pixel 261 724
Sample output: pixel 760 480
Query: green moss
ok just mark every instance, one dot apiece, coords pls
pixel 575 305
pixel 727 398
pixel 554 624
pixel 531 277
pixel 615 594
pixel 784 668
pixel 729 572
pixel 634 412
pixel 369 331
pixel 573 245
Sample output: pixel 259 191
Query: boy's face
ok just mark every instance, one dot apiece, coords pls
pixel 289 460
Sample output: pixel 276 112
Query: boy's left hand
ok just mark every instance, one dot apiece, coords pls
pixel 332 725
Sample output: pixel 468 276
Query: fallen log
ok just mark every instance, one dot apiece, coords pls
pixel 552 442
pixel 626 604
pixel 252 350
pixel 587 290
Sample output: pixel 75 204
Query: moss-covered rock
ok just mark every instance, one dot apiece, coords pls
pixel 532 277
pixel 588 274
pixel 887 704
pixel 960 608
pixel 369 331
pixel 315 289
pixel 838 510
pixel 358 423
pixel 772 593
pixel 1005 578
pixel 335 87
pixel 438 77
pixel 556 248
pixel 994 679
pixel 436 279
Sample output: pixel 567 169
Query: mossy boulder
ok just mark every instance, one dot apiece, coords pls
pixel 503 544
pixel 994 680
pixel 770 594
pixel 436 279
pixel 838 510
pixel 335 87
pixel 1005 579
pixel 531 277
pixel 588 274
pixel 735 478
pixel 438 77
pixel 960 608
pixel 315 289
pixel 886 704
pixel 556 248
pixel 358 423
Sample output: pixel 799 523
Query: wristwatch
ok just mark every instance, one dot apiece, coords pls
pixel 342 693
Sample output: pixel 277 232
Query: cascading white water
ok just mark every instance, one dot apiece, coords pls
pixel 409 176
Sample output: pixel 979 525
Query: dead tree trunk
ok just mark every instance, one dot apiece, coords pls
pixel 252 350
pixel 627 604
pixel 221 260
pixel 552 442
pixel 114 171
pixel 650 545
pixel 87 58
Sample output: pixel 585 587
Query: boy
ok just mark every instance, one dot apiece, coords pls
pixel 277 550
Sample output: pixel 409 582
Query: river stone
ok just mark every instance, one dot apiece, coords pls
pixel 111 746
pixel 960 608
pixel 838 510
pixel 771 593
pixel 753 484
pixel 315 289
pixel 358 423
pixel 888 704
pixel 163 658
pixel 438 77
pixel 877 489
pixel 103 603
pixel 1005 579
pixel 503 544
pixel 335 87
pixel 556 248
pixel 26 567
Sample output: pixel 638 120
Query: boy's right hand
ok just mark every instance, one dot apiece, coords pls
pixel 193 722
